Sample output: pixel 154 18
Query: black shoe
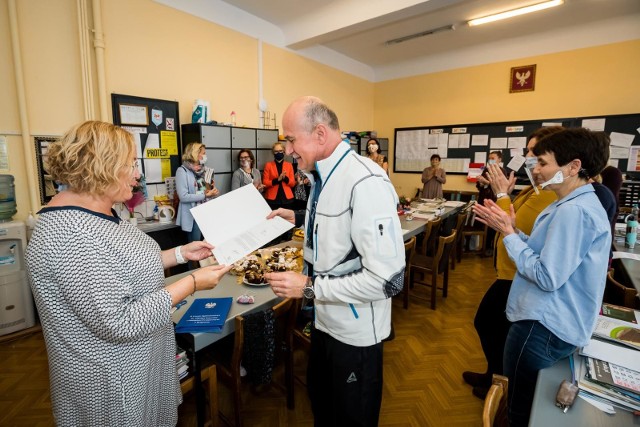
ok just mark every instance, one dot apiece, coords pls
pixel 480 392
pixel 475 379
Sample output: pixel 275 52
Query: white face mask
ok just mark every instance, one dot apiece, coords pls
pixel 203 160
pixel 491 162
pixel 245 163
pixel 373 148
pixel 558 178
pixel 529 164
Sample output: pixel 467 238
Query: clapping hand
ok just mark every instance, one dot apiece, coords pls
pixel 496 218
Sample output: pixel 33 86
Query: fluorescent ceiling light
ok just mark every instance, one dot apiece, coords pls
pixel 515 12
pixel 420 34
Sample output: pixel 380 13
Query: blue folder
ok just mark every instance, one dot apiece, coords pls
pixel 205 315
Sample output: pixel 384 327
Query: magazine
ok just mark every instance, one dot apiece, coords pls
pixel 609 374
pixel 621 313
pixel 618 331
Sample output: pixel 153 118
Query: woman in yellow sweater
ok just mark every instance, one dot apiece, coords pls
pixel 491 321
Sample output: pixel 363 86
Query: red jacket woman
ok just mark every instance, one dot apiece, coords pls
pixel 278 179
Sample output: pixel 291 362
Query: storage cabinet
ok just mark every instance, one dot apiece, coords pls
pixel 223 143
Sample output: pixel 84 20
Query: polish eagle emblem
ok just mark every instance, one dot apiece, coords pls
pixel 522 77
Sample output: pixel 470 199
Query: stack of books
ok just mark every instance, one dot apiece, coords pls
pixel 182 363
pixel 609 371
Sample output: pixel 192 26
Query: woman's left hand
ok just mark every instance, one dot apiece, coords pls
pixel 196 251
pixel 496 218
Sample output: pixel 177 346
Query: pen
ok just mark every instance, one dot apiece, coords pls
pixel 178 305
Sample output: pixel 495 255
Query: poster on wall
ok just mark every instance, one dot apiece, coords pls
pixel 153 123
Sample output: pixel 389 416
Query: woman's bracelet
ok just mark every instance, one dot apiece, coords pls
pixel 179 258
pixel 194 283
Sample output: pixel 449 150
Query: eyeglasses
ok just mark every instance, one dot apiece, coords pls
pixel 245 158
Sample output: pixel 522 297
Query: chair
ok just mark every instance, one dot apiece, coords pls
pixel 210 377
pixel 229 371
pixel 471 229
pixel 618 294
pixel 433 266
pixel 297 324
pixel 456 252
pixel 495 403
pixel 430 239
pixel 409 252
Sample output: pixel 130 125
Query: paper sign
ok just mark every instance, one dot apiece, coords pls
pixel 235 223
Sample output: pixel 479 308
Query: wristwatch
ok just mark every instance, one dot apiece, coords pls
pixel 501 195
pixel 308 291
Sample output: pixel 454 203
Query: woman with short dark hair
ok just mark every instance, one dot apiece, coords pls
pixel 561 267
pixel 433 177
pixel 246 173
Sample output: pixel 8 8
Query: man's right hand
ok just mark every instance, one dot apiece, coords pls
pixel 286 214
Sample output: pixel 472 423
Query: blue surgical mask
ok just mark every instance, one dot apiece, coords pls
pixel 203 160
pixel 279 156
pixel 491 162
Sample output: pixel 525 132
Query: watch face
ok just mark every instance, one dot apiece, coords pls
pixel 308 292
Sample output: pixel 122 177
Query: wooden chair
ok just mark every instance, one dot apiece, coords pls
pixel 475 229
pixel 209 377
pixel 456 252
pixel 618 294
pixel 296 329
pixel 433 266
pixel 229 370
pixel 430 240
pixel 495 403
pixel 409 252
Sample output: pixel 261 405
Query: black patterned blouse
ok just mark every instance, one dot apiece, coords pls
pixel 99 287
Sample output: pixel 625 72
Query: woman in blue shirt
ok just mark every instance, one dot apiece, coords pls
pixel 562 266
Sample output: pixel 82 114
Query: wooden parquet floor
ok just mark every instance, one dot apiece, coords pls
pixel 423 368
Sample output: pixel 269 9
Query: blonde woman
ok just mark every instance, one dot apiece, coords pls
pixel 194 185
pixel 99 286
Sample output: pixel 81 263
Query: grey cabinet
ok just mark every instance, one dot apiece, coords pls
pixel 223 143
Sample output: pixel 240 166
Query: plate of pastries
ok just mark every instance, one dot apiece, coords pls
pixel 252 268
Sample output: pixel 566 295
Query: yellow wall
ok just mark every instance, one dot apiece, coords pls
pixel 584 82
pixel 173 55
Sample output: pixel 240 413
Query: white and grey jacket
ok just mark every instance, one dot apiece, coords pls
pixel 358 256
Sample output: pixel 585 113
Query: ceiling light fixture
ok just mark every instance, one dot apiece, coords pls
pixel 420 34
pixel 515 12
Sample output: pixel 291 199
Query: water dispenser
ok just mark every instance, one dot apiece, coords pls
pixel 16 302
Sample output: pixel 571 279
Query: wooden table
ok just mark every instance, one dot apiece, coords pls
pixel 417 226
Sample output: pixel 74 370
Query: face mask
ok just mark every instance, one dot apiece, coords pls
pixel 279 156
pixel 558 178
pixel 245 163
pixel 492 162
pixel 529 164
pixel 373 148
pixel 203 160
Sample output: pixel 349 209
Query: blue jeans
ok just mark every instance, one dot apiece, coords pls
pixel 529 347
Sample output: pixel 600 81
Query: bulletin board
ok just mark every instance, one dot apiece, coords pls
pixel 155 125
pixel 459 145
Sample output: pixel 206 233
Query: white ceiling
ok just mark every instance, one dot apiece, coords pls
pixel 350 34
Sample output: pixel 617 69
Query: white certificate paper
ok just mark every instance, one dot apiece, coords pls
pixel 235 223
